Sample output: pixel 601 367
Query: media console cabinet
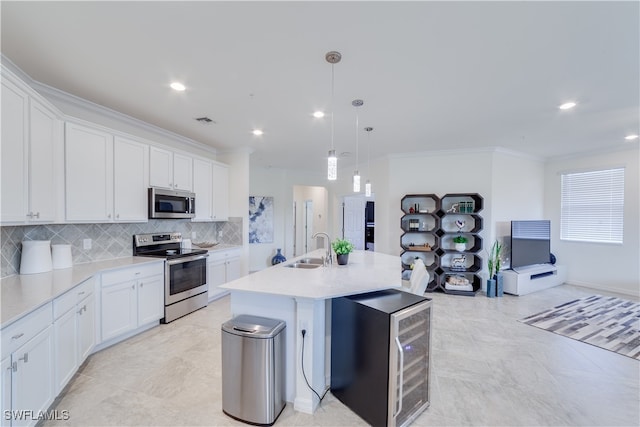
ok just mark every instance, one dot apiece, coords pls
pixel 534 278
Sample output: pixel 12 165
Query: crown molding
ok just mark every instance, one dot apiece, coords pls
pixel 53 94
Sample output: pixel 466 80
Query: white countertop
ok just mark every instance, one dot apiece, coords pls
pixel 366 272
pixel 21 294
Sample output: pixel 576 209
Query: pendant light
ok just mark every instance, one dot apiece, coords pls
pixel 356 175
pixel 367 185
pixel 332 58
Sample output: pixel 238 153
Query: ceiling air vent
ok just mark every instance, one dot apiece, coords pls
pixel 204 120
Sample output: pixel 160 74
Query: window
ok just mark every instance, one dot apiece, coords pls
pixel 592 206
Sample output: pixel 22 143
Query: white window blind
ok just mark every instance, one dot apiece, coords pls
pixel 592 206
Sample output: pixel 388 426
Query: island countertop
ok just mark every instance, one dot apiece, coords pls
pixel 366 272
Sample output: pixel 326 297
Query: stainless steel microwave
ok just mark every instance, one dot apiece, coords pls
pixel 171 203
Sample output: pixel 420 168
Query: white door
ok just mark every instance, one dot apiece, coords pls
pixel 44 127
pixel 5 391
pixel 220 192
pixel 33 379
pixel 308 226
pixel 66 348
pixel 160 168
pixel 86 327
pixel 150 299
pixel 89 174
pixel 354 220
pixel 202 186
pixel 130 180
pixel 182 172
pixel 14 153
pixel 119 308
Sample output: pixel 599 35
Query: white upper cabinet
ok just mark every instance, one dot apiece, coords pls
pixel 30 131
pixel 131 180
pixel 202 187
pixel 220 192
pixel 170 170
pixel 15 109
pixel 44 130
pixel 88 174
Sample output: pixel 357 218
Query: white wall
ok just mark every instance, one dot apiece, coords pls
pixel 609 267
pixel 239 174
pixel 517 194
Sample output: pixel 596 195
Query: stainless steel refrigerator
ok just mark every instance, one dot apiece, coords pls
pixel 380 355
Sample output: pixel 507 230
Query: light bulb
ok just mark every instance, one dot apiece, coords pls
pixel 356 182
pixel 332 166
pixel 367 189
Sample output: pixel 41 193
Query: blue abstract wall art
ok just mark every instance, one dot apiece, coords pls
pixel 260 219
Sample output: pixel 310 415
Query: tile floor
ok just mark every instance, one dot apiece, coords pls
pixel 488 369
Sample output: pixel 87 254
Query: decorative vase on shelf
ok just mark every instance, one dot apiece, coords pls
pixel 278 258
pixel 343 259
pixel 491 288
pixel 460 247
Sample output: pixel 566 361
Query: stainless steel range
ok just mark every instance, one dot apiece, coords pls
pixel 185 277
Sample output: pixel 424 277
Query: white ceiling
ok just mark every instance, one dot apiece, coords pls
pixel 433 75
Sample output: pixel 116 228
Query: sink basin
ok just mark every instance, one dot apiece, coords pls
pixel 306 265
pixel 310 261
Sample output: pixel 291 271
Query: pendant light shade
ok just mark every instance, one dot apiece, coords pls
pixel 332 58
pixel 332 166
pixel 367 185
pixel 356 182
pixel 356 175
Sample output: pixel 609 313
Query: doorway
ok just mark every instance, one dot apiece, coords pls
pixel 358 224
pixel 309 215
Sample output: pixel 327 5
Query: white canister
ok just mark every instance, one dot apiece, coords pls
pixel 36 257
pixel 61 256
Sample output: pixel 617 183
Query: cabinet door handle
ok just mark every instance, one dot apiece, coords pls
pixel 37 215
pixel 25 358
pixel 81 293
pixel 15 337
pixel 117 216
pixel 108 215
pixel 14 367
pixel 133 286
pixel 141 284
pixel 401 391
pixel 30 214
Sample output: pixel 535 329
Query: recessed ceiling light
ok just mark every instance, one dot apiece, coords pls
pixel 257 132
pixel 567 105
pixel 177 86
pixel 631 137
pixel 318 114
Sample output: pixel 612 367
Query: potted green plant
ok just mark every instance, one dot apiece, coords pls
pixel 460 242
pixel 494 262
pixel 342 248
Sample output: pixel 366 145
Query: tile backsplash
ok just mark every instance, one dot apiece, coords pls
pixel 108 240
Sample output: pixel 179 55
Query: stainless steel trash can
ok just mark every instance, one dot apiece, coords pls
pixel 253 384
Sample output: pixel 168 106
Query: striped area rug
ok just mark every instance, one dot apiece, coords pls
pixel 606 322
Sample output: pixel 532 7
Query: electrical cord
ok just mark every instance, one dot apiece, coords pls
pixel 304 332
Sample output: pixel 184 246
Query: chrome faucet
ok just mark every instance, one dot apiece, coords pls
pixel 328 259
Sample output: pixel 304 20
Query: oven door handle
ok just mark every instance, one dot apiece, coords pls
pixel 186 259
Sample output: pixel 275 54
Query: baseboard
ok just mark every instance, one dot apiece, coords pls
pixel 600 287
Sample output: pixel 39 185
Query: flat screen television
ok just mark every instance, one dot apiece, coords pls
pixel 530 243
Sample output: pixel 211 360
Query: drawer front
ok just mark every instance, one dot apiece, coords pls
pixel 223 255
pixel 21 331
pixel 67 301
pixel 131 273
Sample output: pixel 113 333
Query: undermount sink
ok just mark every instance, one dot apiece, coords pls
pixel 318 261
pixel 306 265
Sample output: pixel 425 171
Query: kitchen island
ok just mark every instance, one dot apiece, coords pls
pixel 301 297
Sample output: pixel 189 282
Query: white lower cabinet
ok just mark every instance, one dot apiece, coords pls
pixel 74 330
pixel 222 267
pixel 27 368
pixel 131 297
